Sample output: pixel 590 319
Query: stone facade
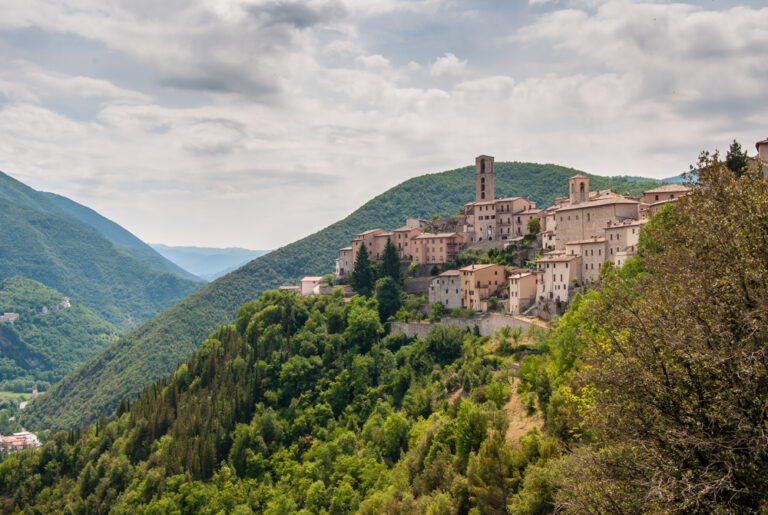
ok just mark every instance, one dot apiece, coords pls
pixel 403 240
pixel 557 273
pixel 344 263
pixel 369 238
pixel 522 291
pixel 446 289
pixel 436 248
pixel 592 252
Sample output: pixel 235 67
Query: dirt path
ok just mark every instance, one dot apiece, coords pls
pixel 519 421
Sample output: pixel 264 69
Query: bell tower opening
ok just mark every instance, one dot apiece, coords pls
pixel 579 189
pixel 484 178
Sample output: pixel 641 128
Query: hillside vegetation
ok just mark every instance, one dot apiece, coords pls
pixel 42 347
pixel 159 345
pixel 43 242
pixel 653 390
pixel 301 405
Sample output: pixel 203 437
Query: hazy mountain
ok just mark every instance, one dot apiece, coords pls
pixel 43 241
pixel 156 348
pixel 208 263
pixel 120 236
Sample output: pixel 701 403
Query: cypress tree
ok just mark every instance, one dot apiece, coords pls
pixel 390 265
pixel 362 279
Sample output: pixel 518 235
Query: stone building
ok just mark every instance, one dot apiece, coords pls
pixel 446 289
pixel 586 213
pixel 307 285
pixel 592 252
pixel 403 240
pixel 522 291
pixel 429 248
pixel 344 263
pixel 492 219
pixel 557 273
pixel 622 237
pixel 369 238
pixel 479 282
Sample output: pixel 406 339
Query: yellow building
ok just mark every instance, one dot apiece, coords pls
pixel 479 282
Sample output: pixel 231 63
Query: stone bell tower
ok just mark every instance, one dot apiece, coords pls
pixel 484 189
pixel 579 186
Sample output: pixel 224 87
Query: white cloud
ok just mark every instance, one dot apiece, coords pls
pixel 302 111
pixel 448 64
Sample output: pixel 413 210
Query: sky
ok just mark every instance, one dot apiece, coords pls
pixel 253 123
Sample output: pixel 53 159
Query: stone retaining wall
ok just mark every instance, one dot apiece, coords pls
pixel 487 324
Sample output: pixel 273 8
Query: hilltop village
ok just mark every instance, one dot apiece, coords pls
pixel 572 239
pixel 561 248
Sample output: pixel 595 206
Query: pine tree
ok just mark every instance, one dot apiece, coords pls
pixel 390 265
pixel 362 279
pixel 736 159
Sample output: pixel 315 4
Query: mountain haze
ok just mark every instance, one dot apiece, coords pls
pixel 41 240
pixel 207 262
pixel 119 236
pixel 159 345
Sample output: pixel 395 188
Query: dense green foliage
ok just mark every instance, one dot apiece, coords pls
pixel 39 349
pixel 44 242
pixel 155 348
pixel 300 406
pixel 659 382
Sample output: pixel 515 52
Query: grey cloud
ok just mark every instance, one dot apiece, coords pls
pixel 266 178
pixel 299 14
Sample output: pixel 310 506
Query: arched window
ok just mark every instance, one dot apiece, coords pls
pixel 581 187
pixel 482 166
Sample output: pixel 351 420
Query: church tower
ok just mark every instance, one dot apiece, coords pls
pixel 484 189
pixel 579 186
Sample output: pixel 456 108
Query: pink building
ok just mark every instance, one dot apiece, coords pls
pixel 431 248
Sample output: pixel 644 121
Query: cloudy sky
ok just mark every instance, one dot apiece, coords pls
pixel 255 122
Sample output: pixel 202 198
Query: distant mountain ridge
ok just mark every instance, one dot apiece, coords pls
pixel 159 345
pixel 43 240
pixel 208 263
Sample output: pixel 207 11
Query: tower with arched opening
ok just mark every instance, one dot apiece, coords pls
pixel 484 187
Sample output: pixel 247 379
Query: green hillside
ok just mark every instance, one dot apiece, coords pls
pixel 118 235
pixel 42 242
pixel 156 348
pixel 301 407
pixel 49 339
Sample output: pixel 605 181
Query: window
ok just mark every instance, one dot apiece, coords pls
pixel 588 217
pixel 657 197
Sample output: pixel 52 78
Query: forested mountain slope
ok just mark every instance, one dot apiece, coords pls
pixel 51 337
pixel 43 242
pixel 155 348
pixel 121 237
pixel 302 406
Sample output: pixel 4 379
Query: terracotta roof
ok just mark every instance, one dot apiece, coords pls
pixel 472 268
pixel 762 142
pixel 628 223
pixel 618 199
pixel 520 275
pixel 428 235
pixel 406 228
pixel 589 240
pixel 345 248
pixel 669 188
pixel 579 176
pixel 449 273
pixel 557 257
pixel 369 231
pixel 312 278
pixel 382 234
